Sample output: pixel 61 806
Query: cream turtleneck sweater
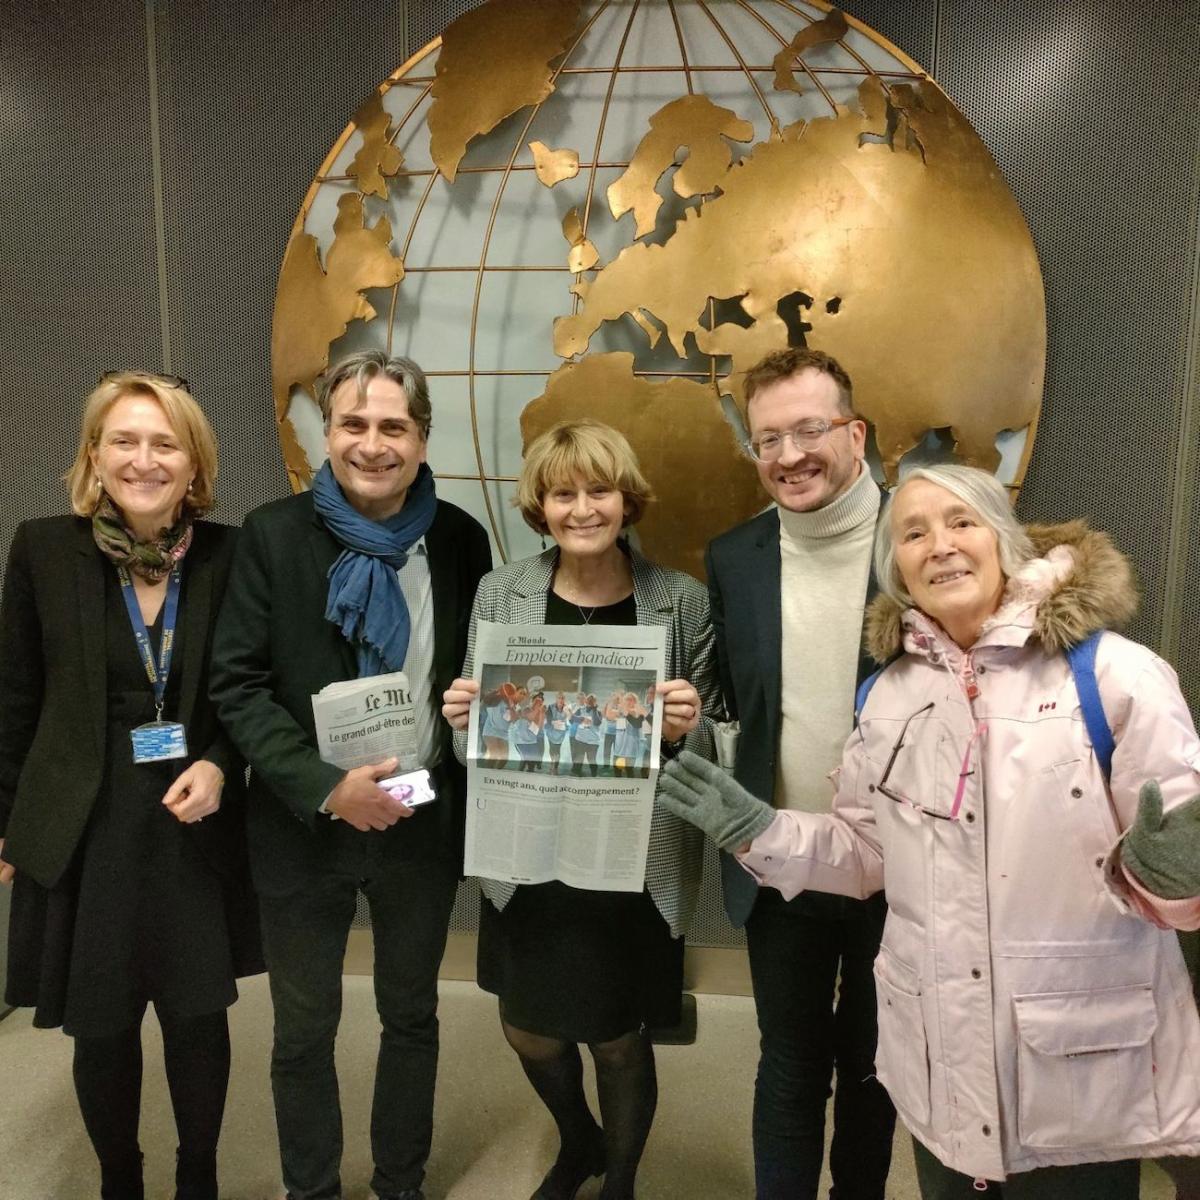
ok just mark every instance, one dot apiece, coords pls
pixel 825 563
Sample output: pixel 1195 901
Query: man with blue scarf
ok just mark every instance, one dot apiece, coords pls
pixel 365 574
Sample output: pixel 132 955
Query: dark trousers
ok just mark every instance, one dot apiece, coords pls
pixel 581 752
pixel 531 754
pixel 108 1084
pixel 798 951
pixel 556 749
pixel 304 936
pixel 1087 1181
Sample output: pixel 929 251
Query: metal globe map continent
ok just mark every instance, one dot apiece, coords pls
pixel 566 209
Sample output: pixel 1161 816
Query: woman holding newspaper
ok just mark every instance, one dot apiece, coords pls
pixel 121 799
pixel 572 965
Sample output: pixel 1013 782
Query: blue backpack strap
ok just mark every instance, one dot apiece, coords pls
pixel 864 690
pixel 1082 658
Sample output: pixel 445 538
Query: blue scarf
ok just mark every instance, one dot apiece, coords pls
pixel 365 599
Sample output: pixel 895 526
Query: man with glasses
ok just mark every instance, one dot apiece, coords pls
pixel 795 582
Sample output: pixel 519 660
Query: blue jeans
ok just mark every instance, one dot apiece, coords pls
pixel 304 936
pixel 798 951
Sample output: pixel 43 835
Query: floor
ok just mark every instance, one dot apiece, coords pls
pixel 493 1141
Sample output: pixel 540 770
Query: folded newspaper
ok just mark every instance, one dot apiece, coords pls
pixel 562 753
pixel 361 721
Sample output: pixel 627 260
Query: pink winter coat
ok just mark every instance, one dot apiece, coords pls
pixel 1033 1011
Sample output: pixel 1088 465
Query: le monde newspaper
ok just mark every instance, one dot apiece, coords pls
pixel 562 753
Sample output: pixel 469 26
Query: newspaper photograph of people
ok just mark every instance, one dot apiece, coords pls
pixel 562 753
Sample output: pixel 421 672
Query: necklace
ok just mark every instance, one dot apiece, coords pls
pixel 587 613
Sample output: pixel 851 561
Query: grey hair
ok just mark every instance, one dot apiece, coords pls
pixel 981 491
pixel 365 366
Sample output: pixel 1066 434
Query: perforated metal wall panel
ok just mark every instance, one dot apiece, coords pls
pixel 78 282
pixel 1187 658
pixel 1187 661
pixel 1091 112
pixel 427 20
pixel 911 27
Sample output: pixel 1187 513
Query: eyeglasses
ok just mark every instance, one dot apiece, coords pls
pixel 965 772
pixel 808 435
pixel 171 381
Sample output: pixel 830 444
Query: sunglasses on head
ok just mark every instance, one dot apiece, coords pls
pixel 172 381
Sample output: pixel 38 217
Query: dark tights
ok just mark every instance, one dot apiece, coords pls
pixel 628 1089
pixel 108 1082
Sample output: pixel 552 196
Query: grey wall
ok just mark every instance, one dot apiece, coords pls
pixel 1092 110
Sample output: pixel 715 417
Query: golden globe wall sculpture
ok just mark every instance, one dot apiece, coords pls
pixel 613 208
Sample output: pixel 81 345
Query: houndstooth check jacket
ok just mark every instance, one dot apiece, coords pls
pixel 515 594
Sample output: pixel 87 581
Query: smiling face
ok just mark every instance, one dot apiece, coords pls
pixel 948 558
pixel 375 447
pixel 584 517
pixel 142 465
pixel 804 480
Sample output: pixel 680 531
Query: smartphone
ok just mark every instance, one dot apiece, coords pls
pixel 413 788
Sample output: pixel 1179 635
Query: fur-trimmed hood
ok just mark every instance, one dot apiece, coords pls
pixel 1099 592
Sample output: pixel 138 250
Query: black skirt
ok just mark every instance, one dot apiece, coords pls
pixel 579 965
pixel 582 966
pixel 139 915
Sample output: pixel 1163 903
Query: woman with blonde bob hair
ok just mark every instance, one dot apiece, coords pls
pixel 121 801
pixel 569 965
pixel 573 449
pixel 1026 785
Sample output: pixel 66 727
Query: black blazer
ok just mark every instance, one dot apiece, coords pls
pixel 274 650
pixel 53 699
pixel 744 574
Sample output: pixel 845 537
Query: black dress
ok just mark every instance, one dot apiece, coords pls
pixel 139 915
pixel 577 964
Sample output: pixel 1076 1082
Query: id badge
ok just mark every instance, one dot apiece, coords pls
pixel 158 741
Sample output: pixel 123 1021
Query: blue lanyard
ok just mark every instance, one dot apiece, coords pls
pixel 156 672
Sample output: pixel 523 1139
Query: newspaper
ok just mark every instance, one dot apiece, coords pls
pixel 362 721
pixel 562 753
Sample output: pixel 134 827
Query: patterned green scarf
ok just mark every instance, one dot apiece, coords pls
pixel 151 560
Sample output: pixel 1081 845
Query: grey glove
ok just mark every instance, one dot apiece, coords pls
pixel 1163 852
pixel 704 795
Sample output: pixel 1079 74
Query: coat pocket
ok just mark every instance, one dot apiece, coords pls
pixel 902 1056
pixel 1085 1068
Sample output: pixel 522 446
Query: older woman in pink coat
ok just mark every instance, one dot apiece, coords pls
pixel 1036 1026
